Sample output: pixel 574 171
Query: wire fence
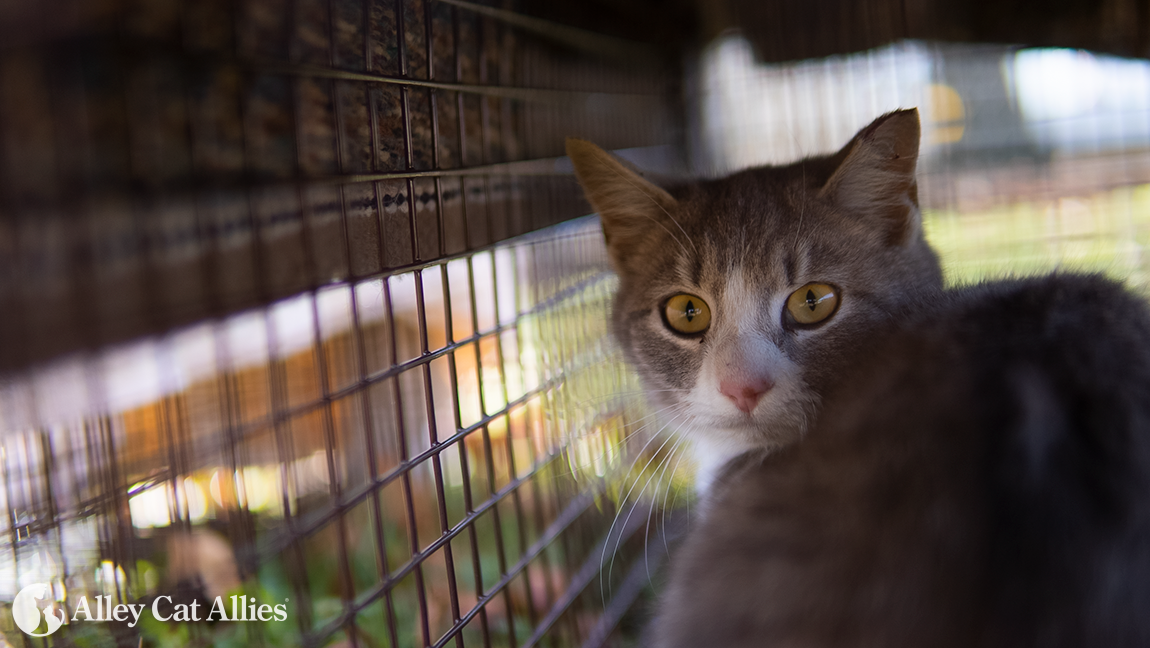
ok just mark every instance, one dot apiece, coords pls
pixel 275 327
pixel 297 308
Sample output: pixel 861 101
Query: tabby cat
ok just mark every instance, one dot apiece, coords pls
pixel 982 479
pixel 741 300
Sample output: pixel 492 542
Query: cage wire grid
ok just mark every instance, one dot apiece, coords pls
pixel 292 304
pixel 276 326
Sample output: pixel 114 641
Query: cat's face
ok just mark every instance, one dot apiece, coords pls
pixel 741 299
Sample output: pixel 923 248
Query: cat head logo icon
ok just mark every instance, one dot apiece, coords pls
pixel 27 615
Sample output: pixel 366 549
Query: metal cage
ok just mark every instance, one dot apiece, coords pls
pixel 286 316
pixel 298 307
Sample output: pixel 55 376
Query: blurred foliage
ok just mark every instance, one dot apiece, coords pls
pixel 1106 232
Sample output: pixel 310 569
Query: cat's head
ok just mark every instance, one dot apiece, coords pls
pixel 741 299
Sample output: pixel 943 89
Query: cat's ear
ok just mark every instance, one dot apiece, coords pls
pixel 628 205
pixel 875 178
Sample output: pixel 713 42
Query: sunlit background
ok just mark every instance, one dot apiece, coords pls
pixel 1032 159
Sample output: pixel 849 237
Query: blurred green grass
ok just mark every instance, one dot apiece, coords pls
pixel 1106 232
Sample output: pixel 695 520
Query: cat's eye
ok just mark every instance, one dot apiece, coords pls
pixel 812 303
pixel 687 314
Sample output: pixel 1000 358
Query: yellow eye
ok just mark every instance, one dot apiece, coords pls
pixel 812 303
pixel 687 314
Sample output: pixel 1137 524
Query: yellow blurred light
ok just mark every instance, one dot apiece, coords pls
pixel 945 112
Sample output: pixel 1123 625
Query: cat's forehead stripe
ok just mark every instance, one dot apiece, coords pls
pixel 741 302
pixel 687 270
pixel 789 269
pixel 696 269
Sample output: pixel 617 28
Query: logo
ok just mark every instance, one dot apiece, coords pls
pixel 27 615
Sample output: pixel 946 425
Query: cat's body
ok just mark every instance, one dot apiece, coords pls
pixel 983 480
pixel 976 470
pixel 752 378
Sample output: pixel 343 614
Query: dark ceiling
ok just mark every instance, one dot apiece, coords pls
pixel 788 29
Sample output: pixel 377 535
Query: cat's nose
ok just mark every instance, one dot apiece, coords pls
pixel 745 394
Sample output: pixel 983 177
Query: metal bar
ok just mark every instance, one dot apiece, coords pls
pixel 397 473
pixel 405 480
pixel 347 591
pixel 373 492
pixel 557 527
pixel 544 95
pixel 565 519
pixel 405 111
pixel 629 590
pixel 582 578
pixel 432 428
pixel 477 567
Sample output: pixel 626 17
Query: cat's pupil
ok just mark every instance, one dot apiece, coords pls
pixel 812 301
pixel 690 310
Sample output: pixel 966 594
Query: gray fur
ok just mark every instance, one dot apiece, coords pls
pixel 977 471
pixel 981 479
pixel 849 219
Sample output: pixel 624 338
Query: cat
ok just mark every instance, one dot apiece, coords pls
pixel 742 299
pixel 981 478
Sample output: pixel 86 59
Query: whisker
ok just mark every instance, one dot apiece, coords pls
pixel 638 455
pixel 618 543
pixel 666 494
pixel 666 463
pixel 631 432
pixel 620 498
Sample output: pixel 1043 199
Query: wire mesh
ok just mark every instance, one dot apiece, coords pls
pixel 190 164
pixel 425 476
pixel 295 311
pixel 275 332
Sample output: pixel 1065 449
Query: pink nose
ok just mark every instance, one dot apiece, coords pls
pixel 745 394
